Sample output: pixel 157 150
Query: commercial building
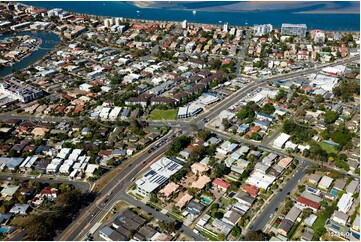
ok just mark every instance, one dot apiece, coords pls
pixel 160 172
pixel 281 140
pixel 20 26
pixel 294 29
pixel 20 91
pixel 188 111
pixel 262 29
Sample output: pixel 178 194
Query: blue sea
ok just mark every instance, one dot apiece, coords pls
pixel 336 22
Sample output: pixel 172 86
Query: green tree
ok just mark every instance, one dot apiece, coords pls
pixel 236 231
pixel 268 109
pixel 330 117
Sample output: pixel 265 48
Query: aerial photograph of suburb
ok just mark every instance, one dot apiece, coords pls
pixel 179 120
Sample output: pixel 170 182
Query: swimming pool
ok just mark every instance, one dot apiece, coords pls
pixel 206 200
pixel 334 192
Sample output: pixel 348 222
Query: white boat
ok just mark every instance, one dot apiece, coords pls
pixel 194 12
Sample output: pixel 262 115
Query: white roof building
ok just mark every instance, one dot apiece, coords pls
pixel 64 153
pixel 345 203
pixel 114 113
pixel 160 172
pixel 75 154
pixel 260 180
pixel 90 169
pixel 279 142
pixel 325 182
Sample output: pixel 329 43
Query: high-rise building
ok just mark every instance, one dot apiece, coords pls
pixel 262 29
pixel 117 21
pixel 225 27
pixel 107 23
pixel 184 24
pixel 294 29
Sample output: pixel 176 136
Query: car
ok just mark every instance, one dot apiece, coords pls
pixel 106 200
pixel 50 178
pixel 9 178
pixel 271 215
pixel 133 179
pixel 288 193
pixel 93 214
pixel 276 209
pixel 33 177
pixel 109 193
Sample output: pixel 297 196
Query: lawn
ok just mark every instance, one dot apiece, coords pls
pixel 328 148
pixel 158 114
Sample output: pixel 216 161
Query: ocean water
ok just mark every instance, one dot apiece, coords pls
pixel 336 22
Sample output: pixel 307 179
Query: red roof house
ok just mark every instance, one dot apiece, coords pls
pixel 221 184
pixel 308 203
pixel 251 190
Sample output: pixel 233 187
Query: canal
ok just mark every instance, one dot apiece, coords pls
pixel 49 40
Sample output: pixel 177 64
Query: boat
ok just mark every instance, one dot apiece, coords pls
pixel 194 12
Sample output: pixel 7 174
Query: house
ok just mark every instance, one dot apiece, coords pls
pixel 345 203
pixel 251 190
pixel 198 168
pixel 262 168
pixel 184 200
pixel 340 217
pixel 220 184
pixel 339 184
pixel 325 182
pixel 285 227
pixel 314 179
pixel 264 124
pixel 21 209
pixel 214 141
pixel 264 116
pixel 307 203
pixel 147 232
pixel 49 193
pixel 285 162
pixel 307 235
pixel 201 182
pixel 293 214
pixel 310 220
pixel 232 217
pixel 9 191
pixel 227 147
pixel 353 187
pixel 195 208
pixel 168 190
pixel 243 128
pixel 111 235
pixel 245 199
